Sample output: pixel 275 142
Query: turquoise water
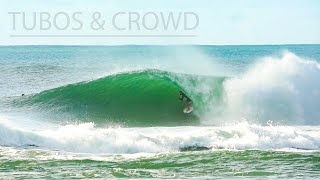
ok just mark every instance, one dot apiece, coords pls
pixel 113 112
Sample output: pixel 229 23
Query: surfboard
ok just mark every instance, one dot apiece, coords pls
pixel 187 111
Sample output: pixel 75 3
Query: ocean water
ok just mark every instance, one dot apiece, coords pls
pixel 114 112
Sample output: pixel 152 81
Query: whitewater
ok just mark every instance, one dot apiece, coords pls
pixel 116 109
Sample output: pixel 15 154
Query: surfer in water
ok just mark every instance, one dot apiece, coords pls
pixel 188 101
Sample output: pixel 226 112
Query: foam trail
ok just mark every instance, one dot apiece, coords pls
pixel 86 138
pixel 285 90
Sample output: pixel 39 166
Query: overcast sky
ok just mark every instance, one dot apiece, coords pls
pixel 224 22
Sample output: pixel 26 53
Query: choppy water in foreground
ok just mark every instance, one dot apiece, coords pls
pixel 207 164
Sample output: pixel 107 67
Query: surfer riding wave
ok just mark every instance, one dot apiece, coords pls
pixel 187 102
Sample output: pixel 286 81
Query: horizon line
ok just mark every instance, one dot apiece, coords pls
pixel 280 44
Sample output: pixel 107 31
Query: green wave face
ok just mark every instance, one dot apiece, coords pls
pixel 145 98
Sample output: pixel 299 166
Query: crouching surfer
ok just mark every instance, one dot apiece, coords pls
pixel 187 102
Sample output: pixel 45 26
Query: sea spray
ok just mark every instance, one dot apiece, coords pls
pixel 285 90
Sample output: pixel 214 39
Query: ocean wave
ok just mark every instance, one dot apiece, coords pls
pixel 284 90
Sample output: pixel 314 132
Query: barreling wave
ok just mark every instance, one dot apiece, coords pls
pixel 136 98
pixel 284 90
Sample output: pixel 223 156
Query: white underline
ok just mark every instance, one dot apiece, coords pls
pixel 102 35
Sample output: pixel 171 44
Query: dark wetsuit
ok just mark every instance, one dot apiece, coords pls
pixel 182 96
pixel 188 101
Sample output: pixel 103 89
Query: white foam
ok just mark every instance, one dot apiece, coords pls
pixel 285 89
pixel 86 138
